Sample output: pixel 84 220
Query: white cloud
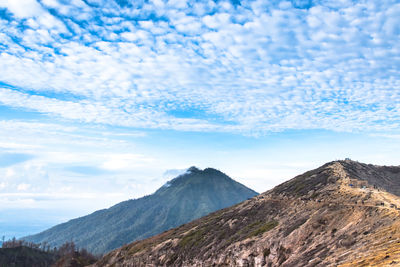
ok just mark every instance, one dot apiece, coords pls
pixel 23 187
pixel 253 68
pixel 9 173
pixel 73 164
pixel 125 161
pixel 217 20
pixel 23 8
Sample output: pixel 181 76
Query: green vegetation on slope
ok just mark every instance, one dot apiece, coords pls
pixel 25 256
pixel 261 227
pixel 19 253
pixel 183 199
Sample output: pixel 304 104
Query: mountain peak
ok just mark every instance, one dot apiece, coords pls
pixel 193 169
pixel 336 173
pixel 188 196
pixel 207 170
pixel 197 179
pixel 329 216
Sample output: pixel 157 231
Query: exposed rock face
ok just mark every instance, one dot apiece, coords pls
pixel 336 215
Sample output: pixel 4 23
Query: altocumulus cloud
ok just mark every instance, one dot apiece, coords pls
pixel 241 66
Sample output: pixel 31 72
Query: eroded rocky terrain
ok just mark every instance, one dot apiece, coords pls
pixel 344 213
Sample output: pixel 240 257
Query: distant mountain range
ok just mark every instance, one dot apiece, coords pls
pixel 187 197
pixel 344 213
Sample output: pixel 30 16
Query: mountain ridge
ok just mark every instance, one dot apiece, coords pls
pixel 189 196
pixel 335 215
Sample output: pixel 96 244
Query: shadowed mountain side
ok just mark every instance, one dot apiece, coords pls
pixel 336 215
pixel 187 197
pixel 25 256
pixel 19 253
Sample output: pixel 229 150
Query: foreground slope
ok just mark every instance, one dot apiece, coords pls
pixel 187 197
pixel 336 215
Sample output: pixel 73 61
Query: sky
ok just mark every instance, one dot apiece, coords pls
pixel 103 101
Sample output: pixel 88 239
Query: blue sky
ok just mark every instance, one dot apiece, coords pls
pixel 101 101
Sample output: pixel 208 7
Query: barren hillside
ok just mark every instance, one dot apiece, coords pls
pixel 336 215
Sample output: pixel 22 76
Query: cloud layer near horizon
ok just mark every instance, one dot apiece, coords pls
pixel 249 67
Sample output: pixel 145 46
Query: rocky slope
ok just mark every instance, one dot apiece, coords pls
pixel 337 215
pixel 187 197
